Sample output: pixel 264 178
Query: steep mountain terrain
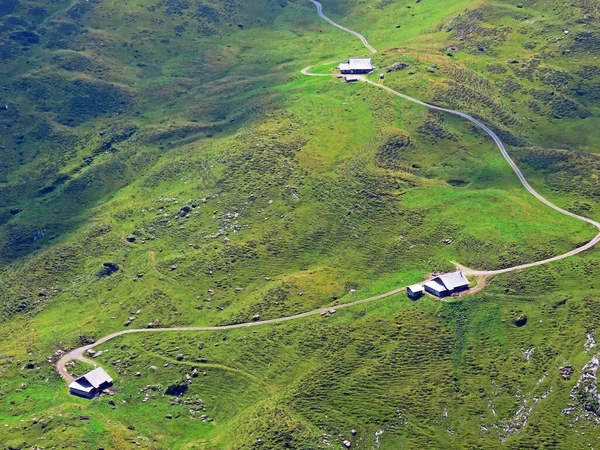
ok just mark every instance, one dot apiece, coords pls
pixel 165 163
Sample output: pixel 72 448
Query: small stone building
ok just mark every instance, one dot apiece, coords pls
pixel 351 78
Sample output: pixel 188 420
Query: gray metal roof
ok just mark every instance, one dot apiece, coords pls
pixel 436 285
pixel 360 64
pixel 415 288
pixel 96 378
pixel 454 280
pixel 81 385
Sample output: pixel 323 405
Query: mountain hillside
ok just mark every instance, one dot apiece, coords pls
pixel 165 163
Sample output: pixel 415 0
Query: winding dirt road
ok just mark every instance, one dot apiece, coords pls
pixel 79 353
pixel 347 30
pixel 502 149
pixel 521 177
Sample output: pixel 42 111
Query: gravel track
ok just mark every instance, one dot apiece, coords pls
pixel 79 353
pixel 348 30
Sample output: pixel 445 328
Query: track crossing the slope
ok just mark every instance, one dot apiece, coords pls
pixel 79 353
pixel 521 177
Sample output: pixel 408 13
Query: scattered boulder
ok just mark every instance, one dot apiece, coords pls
pixel 183 211
pixel 590 343
pixel 108 269
pixel 521 320
pixel 397 66
pixel 566 372
pixel 527 353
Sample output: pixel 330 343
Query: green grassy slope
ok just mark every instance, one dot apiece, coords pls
pixel 178 141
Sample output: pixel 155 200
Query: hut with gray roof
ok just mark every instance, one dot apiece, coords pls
pixel 91 384
pixel 356 66
pixel 447 284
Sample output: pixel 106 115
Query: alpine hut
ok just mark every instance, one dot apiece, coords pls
pixel 91 384
pixel 447 284
pixel 356 66
pixel 415 291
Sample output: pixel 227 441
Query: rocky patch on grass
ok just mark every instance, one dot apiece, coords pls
pixel 398 66
pixel 584 395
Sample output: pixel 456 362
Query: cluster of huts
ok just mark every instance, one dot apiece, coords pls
pixel 440 286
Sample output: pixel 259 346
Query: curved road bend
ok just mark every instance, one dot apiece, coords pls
pixel 347 30
pixel 522 178
pixel 78 353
